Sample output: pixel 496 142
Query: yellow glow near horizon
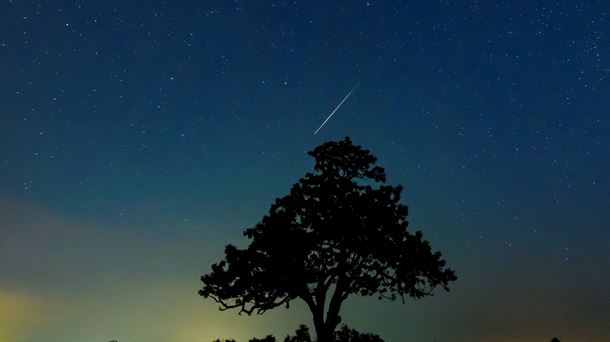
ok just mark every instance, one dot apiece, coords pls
pixel 122 289
pixel 19 313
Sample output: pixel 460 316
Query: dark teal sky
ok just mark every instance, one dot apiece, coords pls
pixel 137 138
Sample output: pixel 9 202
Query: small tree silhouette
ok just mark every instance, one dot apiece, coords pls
pixel 346 334
pixel 268 338
pixel 301 335
pixel 335 234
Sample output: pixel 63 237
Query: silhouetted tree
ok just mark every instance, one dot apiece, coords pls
pixel 555 339
pixel 340 231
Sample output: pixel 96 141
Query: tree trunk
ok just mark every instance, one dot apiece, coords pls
pixel 332 316
pixel 324 334
pixel 318 322
pixel 325 331
pixel 325 328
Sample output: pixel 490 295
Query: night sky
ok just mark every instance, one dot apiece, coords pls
pixel 137 138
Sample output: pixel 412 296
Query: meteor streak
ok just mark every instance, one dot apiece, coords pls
pixel 338 106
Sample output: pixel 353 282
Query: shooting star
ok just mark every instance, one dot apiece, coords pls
pixel 338 106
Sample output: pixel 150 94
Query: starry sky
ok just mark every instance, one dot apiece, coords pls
pixel 137 138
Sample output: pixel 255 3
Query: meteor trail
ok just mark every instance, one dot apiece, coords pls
pixel 339 105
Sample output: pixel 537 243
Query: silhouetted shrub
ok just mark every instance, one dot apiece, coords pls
pixel 301 335
pixel 268 338
pixel 345 334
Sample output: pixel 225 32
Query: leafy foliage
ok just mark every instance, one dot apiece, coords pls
pixel 345 334
pixel 301 335
pixel 268 338
pixel 340 231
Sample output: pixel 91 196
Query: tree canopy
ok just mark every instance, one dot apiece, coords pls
pixel 340 231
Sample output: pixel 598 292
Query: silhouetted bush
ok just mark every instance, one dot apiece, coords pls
pixel 345 334
pixel 301 335
pixel 268 338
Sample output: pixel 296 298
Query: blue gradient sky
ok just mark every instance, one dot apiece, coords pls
pixel 137 138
